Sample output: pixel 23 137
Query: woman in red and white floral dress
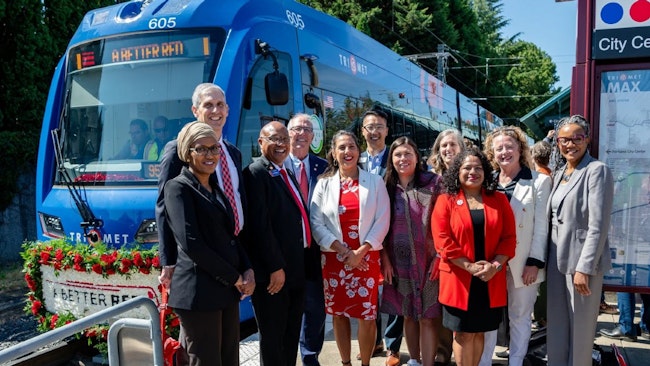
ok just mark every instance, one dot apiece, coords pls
pixel 349 219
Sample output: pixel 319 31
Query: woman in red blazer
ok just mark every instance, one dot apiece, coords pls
pixel 474 233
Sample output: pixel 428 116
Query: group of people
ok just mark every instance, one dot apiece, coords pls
pixel 141 145
pixel 444 251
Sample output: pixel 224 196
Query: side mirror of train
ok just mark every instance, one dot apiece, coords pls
pixel 276 87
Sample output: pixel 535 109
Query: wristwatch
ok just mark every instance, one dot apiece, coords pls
pixel 498 265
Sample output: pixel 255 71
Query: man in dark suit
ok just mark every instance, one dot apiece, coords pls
pixel 276 235
pixel 374 129
pixel 208 106
pixel 306 168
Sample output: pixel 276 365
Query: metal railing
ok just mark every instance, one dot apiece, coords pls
pixel 33 344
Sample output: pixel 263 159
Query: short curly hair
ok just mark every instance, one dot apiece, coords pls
pixel 515 133
pixel 451 181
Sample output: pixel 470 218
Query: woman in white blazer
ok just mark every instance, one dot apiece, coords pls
pixel 528 192
pixel 349 216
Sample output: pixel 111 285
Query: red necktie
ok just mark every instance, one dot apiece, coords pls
pixel 304 183
pixel 303 212
pixel 228 190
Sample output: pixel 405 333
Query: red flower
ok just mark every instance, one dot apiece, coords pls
pixel 30 282
pixel 79 268
pixel 36 306
pixel 90 333
pixel 137 259
pixel 156 261
pixel 174 321
pixel 45 257
pixel 97 268
pixel 110 271
pixel 59 254
pixel 78 258
pixel 108 259
pixel 126 265
pixel 55 317
pixel 144 270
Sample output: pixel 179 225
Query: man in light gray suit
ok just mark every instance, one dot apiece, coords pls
pixel 580 208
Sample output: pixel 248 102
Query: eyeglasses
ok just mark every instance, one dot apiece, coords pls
pixel 373 128
pixel 576 139
pixel 277 140
pixel 203 151
pixel 301 129
pixel 159 130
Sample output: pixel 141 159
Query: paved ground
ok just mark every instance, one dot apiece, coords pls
pixel 635 353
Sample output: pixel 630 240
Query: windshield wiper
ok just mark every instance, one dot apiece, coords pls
pixel 77 192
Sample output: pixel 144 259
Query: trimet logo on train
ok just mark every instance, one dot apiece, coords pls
pixel 350 62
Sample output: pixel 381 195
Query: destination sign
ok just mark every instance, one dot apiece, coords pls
pixel 139 48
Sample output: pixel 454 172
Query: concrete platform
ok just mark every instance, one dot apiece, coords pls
pixel 635 353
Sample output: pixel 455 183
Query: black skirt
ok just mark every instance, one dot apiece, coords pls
pixel 479 317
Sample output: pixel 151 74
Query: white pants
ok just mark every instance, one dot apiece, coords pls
pixel 521 302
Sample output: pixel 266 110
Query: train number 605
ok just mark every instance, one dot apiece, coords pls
pixel 162 23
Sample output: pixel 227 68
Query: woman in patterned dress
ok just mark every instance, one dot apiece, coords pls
pixel 408 255
pixel 349 219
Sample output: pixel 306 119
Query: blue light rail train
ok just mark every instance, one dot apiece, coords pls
pixel 274 58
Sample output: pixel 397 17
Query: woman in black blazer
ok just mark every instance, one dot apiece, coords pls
pixel 212 271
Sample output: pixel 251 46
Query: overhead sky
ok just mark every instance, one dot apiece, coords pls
pixel 548 24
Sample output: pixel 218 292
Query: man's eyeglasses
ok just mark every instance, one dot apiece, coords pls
pixel 373 128
pixel 277 140
pixel 301 129
pixel 159 130
pixel 203 151
pixel 576 139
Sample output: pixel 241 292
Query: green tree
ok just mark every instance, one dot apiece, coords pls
pixel 33 37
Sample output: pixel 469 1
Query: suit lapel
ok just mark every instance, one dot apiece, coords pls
pixel 277 179
pixel 522 189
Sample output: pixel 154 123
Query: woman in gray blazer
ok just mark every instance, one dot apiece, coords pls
pixel 579 210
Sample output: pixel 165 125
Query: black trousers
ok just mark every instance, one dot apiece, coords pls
pixel 279 318
pixel 209 337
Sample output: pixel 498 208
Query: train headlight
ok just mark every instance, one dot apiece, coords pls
pixel 147 232
pixel 51 226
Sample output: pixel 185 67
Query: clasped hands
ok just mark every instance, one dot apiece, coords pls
pixel 483 270
pixel 354 259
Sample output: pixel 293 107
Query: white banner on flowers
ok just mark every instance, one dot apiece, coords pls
pixel 83 293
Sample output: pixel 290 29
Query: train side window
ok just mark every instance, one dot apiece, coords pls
pixel 259 112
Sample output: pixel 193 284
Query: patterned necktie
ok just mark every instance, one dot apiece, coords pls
pixel 303 212
pixel 228 190
pixel 304 183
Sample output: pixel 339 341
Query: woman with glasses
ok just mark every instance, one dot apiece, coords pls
pixel 350 216
pixel 528 192
pixel 212 271
pixel 579 209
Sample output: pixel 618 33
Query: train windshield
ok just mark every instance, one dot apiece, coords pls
pixel 126 97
